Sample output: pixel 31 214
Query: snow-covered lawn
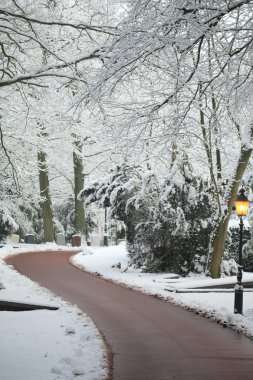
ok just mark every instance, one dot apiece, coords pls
pixel 64 344
pixel 42 344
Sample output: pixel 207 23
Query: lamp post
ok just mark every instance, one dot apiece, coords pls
pixel 106 204
pixel 241 205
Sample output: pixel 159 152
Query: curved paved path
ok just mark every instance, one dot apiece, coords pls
pixel 150 339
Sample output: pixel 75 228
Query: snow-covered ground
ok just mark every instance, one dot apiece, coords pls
pixel 64 344
pixel 43 344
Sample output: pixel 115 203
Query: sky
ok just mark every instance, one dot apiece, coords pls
pixel 65 344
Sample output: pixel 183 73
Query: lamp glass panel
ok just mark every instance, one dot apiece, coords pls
pixel 241 207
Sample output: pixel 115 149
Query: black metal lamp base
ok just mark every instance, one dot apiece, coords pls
pixel 238 306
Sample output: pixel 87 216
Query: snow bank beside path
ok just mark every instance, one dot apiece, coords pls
pixel 112 263
pixel 42 344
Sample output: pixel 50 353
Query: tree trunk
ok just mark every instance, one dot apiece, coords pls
pixel 207 141
pixel 79 221
pixel 221 233
pixel 217 149
pixel 46 204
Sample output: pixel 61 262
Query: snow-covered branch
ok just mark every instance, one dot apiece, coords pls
pixel 105 29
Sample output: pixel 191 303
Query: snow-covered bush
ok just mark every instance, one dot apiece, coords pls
pixel 34 224
pixel 248 258
pixel 232 244
pixel 145 246
pixel 18 216
pixel 117 191
pixel 248 254
pixel 20 212
pixel 64 214
pixel 179 225
pixel 199 264
pixel 168 222
pixel 228 268
pixel 7 224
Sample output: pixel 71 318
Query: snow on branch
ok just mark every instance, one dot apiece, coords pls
pixel 106 29
pixel 51 70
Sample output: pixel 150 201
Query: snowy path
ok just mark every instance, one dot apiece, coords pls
pixel 150 339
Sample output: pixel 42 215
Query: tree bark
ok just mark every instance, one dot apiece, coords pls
pixel 79 221
pixel 217 149
pixel 46 203
pixel 221 233
pixel 208 148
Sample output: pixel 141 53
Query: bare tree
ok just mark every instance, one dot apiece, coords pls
pixel 31 31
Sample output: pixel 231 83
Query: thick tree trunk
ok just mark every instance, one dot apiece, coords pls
pixel 221 233
pixel 46 204
pixel 79 221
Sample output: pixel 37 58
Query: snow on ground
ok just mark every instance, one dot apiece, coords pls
pixel 64 344
pixel 43 344
pixel 216 304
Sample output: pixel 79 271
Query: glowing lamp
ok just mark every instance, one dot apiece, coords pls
pixel 241 203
